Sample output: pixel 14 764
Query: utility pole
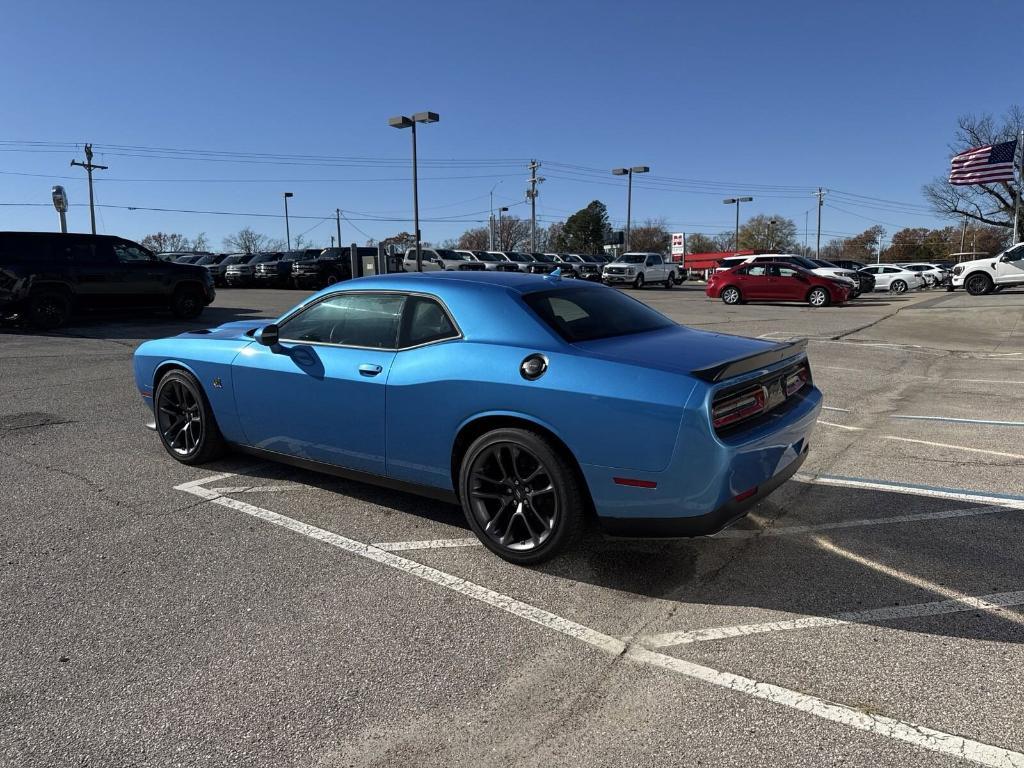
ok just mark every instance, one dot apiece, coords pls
pixel 821 202
pixel 337 221
pixel 532 194
pixel 89 168
pixel 806 215
pixel 963 234
pixel 1020 183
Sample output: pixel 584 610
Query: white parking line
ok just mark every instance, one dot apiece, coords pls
pixel 916 735
pixel 960 421
pixel 404 546
pixel 955 447
pixel 228 489
pixel 841 426
pixel 992 602
pixel 833 408
pixel 935 492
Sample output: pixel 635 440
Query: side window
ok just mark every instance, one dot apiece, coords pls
pixel 82 252
pixel 1015 254
pixel 758 270
pixel 350 319
pixel 423 321
pixel 788 272
pixel 128 254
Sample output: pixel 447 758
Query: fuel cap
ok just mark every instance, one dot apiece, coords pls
pixel 533 367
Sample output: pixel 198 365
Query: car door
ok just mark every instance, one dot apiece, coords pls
pixel 792 283
pixel 755 283
pixel 319 393
pixel 93 269
pixel 140 274
pixel 655 269
pixel 1010 267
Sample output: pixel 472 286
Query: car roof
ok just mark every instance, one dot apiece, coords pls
pixel 520 282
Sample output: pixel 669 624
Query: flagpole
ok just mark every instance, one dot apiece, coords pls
pixel 1020 182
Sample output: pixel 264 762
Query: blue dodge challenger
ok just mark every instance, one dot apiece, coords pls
pixel 531 401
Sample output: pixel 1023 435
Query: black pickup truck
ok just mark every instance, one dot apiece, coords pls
pixel 332 266
pixel 47 276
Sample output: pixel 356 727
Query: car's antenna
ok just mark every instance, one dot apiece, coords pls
pixel 555 274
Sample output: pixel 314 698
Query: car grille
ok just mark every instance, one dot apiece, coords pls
pixel 615 270
pixel 471 267
pixel 585 268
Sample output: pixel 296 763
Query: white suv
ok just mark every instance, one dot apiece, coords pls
pixel 639 269
pixel 982 276
pixel 434 259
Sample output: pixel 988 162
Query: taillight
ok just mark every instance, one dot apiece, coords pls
pixel 738 407
pixel 796 380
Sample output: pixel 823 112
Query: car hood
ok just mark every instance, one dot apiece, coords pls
pixel 678 349
pixel 234 330
pixel 990 262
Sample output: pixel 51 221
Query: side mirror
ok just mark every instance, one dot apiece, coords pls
pixel 268 335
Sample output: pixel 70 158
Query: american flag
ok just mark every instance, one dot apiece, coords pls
pixel 983 165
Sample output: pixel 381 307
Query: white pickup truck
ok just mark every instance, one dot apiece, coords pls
pixel 640 269
pixel 983 276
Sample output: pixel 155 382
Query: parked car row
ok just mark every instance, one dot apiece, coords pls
pixel 572 265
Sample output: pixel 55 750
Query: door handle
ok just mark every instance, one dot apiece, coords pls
pixel 368 369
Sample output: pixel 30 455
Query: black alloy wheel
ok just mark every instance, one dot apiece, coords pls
pixel 184 420
pixel 520 497
pixel 979 284
pixel 47 311
pixel 187 303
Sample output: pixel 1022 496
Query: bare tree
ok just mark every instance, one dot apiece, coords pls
pixel 513 234
pixel 169 242
pixel 651 236
pixel 987 203
pixel 246 240
pixel 474 239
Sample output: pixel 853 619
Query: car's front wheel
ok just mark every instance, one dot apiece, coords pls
pixel 639 282
pixel 187 303
pixel 521 497
pixel 184 420
pixel 979 284
pixel 48 310
pixel 670 280
pixel 731 295
pixel 818 297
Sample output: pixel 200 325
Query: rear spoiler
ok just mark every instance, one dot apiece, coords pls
pixel 720 371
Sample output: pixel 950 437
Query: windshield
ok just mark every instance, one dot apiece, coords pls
pixel 522 258
pixel 571 258
pixel 801 261
pixel 826 264
pixel 485 256
pixel 210 258
pixel 593 313
pixel 262 257
pixel 543 258
pixel 631 258
pixel 452 255
pixel 234 258
pixel 185 259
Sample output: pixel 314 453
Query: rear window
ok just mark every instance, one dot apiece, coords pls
pixel 585 314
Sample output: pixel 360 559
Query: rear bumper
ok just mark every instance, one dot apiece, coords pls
pixel 699 525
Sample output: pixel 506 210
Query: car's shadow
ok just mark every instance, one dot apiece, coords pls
pixel 818 573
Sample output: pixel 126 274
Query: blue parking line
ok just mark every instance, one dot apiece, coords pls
pixel 961 421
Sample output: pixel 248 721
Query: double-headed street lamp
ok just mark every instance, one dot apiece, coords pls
pixel 629 192
pixel 410 122
pixel 737 201
pixel 287 229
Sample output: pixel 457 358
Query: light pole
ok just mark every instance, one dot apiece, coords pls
pixel 771 239
pixel 736 201
pixel 629 193
pixel 490 221
pixel 500 211
pixel 287 229
pixel 410 122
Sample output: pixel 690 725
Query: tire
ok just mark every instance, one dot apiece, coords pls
pixel 48 310
pixel 731 295
pixel 330 278
pixel 499 478
pixel 187 303
pixel 898 286
pixel 639 282
pixel 818 297
pixel 185 423
pixel 979 284
pixel 670 280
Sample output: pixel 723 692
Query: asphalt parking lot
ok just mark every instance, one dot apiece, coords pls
pixel 248 614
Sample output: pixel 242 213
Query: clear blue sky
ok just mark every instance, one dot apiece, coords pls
pixel 768 99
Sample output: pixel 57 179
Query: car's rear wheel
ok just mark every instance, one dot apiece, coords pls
pixel 330 278
pixel 670 280
pixel 184 420
pixel 639 282
pixel 898 286
pixel 979 284
pixel 520 496
pixel 818 297
pixel 731 295
pixel 48 310
pixel 187 303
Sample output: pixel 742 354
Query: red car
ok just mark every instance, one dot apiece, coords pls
pixel 770 281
